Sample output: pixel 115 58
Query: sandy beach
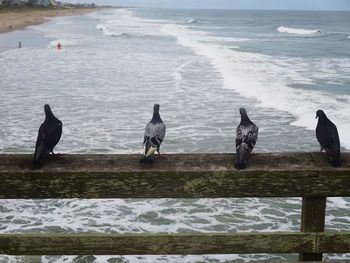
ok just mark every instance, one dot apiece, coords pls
pixel 13 19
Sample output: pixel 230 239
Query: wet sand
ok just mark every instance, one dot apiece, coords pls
pixel 18 18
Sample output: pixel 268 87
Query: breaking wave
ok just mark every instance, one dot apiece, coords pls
pixel 192 21
pixel 299 31
pixel 268 80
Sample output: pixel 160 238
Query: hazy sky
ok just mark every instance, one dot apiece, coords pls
pixel 233 4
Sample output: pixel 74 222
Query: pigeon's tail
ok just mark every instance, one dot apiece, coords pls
pixel 334 155
pixel 149 150
pixel 148 156
pixel 40 153
pixel 242 156
pixel 335 162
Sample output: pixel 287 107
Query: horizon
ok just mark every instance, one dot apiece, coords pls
pixel 237 9
pixel 293 5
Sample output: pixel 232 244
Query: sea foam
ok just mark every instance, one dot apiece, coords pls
pixel 298 31
pixel 124 23
pixel 192 20
pixel 268 80
pixel 108 32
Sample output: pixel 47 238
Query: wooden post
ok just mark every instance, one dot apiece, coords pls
pixel 313 215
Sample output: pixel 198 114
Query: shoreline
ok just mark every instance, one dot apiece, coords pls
pixel 19 18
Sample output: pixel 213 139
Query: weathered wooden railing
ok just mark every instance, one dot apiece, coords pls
pixel 306 175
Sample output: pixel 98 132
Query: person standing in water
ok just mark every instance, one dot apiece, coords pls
pixel 19 44
pixel 59 46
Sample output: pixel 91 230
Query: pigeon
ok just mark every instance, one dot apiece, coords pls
pixel 49 134
pixel 327 136
pixel 153 137
pixel 246 137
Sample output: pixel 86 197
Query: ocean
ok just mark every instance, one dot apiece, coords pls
pixel 201 66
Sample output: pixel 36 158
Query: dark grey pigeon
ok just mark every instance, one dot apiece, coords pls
pixel 246 137
pixel 153 137
pixel 49 134
pixel 327 136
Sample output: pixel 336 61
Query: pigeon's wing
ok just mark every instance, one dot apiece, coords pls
pixel 252 136
pixel 331 143
pixel 148 139
pixel 247 134
pixel 147 133
pixel 157 134
pixel 41 135
pixel 41 150
pixel 161 129
pixel 322 136
pixel 327 135
pixel 239 136
pixel 245 141
pixel 335 135
pixel 54 133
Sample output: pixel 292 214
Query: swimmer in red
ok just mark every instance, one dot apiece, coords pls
pixel 59 46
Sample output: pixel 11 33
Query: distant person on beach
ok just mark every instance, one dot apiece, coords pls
pixel 59 46
pixel 19 44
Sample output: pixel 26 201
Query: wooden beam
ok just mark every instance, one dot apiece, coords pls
pixel 155 244
pixel 159 244
pixel 313 214
pixel 162 244
pixel 333 242
pixel 177 176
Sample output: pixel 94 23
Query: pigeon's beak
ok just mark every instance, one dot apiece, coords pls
pixel 316 117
